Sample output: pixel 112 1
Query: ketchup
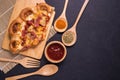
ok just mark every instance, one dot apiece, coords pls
pixel 55 51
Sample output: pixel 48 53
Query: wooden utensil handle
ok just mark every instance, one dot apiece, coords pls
pixel 20 76
pixel 8 60
pixel 80 12
pixel 65 7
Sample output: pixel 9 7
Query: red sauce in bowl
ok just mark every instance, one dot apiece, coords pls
pixel 55 51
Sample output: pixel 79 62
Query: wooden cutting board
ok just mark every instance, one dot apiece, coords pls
pixel 32 52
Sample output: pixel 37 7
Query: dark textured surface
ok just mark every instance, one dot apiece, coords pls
pixel 96 54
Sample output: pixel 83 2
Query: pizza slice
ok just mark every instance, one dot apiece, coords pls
pixel 29 29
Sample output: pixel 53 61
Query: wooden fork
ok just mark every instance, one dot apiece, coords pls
pixel 25 62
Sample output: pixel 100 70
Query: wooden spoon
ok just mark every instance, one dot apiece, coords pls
pixel 46 70
pixel 69 37
pixel 63 23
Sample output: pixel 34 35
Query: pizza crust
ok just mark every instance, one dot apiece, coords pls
pixel 15 27
pixel 15 44
pixel 25 13
pixel 43 7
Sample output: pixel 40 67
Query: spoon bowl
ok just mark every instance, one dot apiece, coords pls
pixel 69 38
pixel 46 70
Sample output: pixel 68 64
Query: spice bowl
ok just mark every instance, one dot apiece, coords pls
pixel 55 52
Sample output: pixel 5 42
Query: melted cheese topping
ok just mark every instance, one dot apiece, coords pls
pixel 19 33
pixel 30 17
pixel 31 28
pixel 19 46
pixel 22 25
pixel 43 21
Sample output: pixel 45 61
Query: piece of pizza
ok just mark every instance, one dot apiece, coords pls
pixel 29 29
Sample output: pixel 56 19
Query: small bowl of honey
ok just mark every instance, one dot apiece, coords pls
pixel 55 52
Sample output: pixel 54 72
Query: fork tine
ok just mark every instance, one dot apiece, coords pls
pixel 30 66
pixel 33 60
pixel 33 65
pixel 30 62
